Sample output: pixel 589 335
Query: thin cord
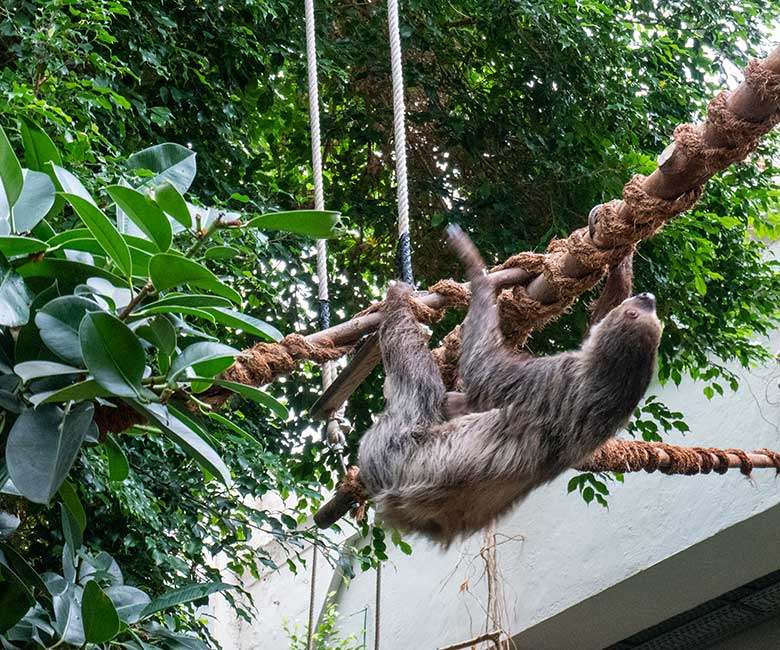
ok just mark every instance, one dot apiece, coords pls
pixel 377 605
pixel 404 259
pixel 310 629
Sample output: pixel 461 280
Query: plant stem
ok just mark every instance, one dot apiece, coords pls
pixel 145 291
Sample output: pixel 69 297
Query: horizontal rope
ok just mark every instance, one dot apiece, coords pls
pixel 620 456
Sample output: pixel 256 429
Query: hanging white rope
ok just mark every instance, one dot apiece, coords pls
pixel 399 137
pixel 335 434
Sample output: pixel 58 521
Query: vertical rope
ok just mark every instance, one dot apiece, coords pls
pixel 377 605
pixel 403 257
pixel 335 436
pixel 312 587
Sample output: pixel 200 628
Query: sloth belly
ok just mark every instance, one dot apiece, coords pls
pixel 445 513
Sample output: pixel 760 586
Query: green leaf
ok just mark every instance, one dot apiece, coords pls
pixel 187 439
pixel 183 595
pixel 173 309
pixel 118 467
pixel 15 245
pixel 169 199
pixel 103 231
pixel 113 354
pixel 15 599
pixel 160 333
pixel 38 147
pixel 250 392
pixel 201 301
pixel 198 353
pixel 321 224
pixel 172 163
pixel 167 271
pixel 248 324
pixel 74 537
pixel 42 446
pixel 37 199
pixel 67 183
pixel 234 428
pixel 8 524
pixel 221 253
pixel 68 272
pixel 58 322
pixel 15 299
pixel 35 369
pixel 72 502
pixel 11 175
pixel 83 390
pixel 144 214
pixel 98 614
pixel 129 602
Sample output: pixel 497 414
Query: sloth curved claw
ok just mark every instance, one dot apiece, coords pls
pixel 593 220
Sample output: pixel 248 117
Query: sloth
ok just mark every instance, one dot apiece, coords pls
pixel 533 417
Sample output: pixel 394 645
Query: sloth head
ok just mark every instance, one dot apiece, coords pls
pixel 629 334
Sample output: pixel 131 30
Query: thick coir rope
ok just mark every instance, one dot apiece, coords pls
pixel 614 456
pixel 572 265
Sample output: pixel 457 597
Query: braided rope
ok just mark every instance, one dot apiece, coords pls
pixel 404 259
pixel 335 436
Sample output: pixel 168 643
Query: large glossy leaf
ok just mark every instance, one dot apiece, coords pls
pixel 11 177
pixel 144 213
pixel 129 602
pixel 250 392
pixel 199 353
pixel 40 155
pixel 172 202
pixel 38 147
pixel 58 322
pixel 244 322
pixel 15 599
pixel 82 390
pixel 168 270
pixel 42 446
pixel 159 332
pixel 67 272
pixel 34 369
pixel 183 595
pixel 15 299
pixel 98 614
pixel 14 245
pixel 9 522
pixel 200 301
pixel 35 202
pixel 67 183
pixel 118 467
pixel 113 353
pixel 182 435
pixel 103 231
pixel 72 502
pixel 229 424
pixel 170 162
pixel 321 224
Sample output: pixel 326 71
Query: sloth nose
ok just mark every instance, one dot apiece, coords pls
pixel 646 299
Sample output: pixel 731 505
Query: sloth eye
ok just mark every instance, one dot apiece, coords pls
pixel 632 313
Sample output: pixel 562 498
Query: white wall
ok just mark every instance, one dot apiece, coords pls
pixel 571 554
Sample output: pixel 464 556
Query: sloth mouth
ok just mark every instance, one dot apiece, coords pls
pixel 645 301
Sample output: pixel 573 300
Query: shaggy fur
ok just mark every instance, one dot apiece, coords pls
pixel 536 416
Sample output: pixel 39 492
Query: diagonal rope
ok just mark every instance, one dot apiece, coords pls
pixel 404 257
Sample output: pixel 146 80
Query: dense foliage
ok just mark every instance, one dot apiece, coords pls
pixel 521 116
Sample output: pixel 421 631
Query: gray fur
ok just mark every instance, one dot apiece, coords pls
pixel 536 416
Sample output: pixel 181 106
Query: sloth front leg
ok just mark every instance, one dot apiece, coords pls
pixel 413 387
pixel 487 367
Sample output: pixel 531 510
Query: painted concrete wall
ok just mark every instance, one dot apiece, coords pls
pixel 575 576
